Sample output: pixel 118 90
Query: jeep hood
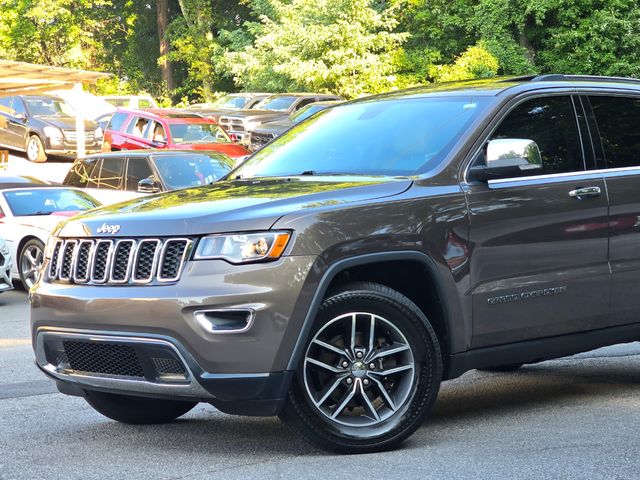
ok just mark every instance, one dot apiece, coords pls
pixel 237 205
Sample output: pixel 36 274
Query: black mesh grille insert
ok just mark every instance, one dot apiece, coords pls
pixel 144 264
pixel 67 258
pixel 100 261
pixel 168 366
pixel 54 259
pixel 172 259
pixel 121 261
pixel 103 358
pixel 82 261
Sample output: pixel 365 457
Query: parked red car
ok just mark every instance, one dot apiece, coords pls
pixel 131 129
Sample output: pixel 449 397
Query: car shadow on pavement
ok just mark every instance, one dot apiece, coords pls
pixel 480 395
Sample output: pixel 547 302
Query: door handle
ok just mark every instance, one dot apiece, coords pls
pixel 585 192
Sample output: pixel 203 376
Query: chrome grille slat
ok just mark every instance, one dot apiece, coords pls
pixel 124 261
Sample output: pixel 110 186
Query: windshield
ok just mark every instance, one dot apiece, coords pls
pixel 306 112
pixel 48 106
pixel 189 133
pixel 181 171
pixel 45 201
pixel 232 101
pixel 277 104
pixel 397 137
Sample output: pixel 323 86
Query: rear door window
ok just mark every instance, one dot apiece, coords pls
pixel 618 120
pixel 138 127
pixel 138 169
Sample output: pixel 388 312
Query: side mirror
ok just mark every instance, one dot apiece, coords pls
pixel 508 157
pixel 148 185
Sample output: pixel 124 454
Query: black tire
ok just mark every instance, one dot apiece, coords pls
pixel 389 423
pixel 30 262
pixel 502 368
pixel 35 149
pixel 137 410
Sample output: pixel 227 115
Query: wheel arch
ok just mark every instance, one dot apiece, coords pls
pixel 371 267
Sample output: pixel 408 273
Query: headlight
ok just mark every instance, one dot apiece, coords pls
pixel 54 134
pixel 243 247
pixel 98 133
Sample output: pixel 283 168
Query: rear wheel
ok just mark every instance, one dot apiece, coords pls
pixel 370 373
pixel 35 149
pixel 30 262
pixel 137 410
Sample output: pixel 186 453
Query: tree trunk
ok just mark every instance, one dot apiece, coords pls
pixel 165 65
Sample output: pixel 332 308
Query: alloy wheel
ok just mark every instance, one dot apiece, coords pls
pixel 30 264
pixel 359 370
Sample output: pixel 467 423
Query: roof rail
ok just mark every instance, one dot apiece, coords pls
pixel 558 77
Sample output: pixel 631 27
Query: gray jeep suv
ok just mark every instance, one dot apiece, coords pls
pixel 345 270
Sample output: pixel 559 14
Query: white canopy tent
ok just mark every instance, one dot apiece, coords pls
pixel 18 78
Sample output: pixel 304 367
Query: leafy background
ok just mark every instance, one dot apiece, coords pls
pixel 349 47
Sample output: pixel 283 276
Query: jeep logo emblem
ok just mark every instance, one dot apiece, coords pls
pixel 112 229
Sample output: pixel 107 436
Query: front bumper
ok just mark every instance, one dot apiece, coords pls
pixel 241 372
pixel 151 366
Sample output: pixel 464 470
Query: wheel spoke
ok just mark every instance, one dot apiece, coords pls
pixel 353 333
pixel 387 398
pixel 30 257
pixel 330 390
pixel 29 273
pixel 368 403
pixel 391 371
pixel 328 346
pixel 389 350
pixel 372 336
pixel 346 400
pixel 324 365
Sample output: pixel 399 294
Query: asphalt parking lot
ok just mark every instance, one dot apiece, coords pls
pixel 569 418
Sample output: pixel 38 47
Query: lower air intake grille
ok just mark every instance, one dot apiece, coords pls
pixel 103 358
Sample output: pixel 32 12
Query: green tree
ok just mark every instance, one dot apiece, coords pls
pixel 341 46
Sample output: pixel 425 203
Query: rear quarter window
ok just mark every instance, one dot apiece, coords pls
pixel 80 173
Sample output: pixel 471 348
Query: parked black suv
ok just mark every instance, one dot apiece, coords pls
pixel 368 253
pixel 43 125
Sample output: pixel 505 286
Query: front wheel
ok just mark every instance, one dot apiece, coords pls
pixel 30 263
pixel 137 410
pixel 35 150
pixel 370 372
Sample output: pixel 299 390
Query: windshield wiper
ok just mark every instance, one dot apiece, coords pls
pixel 42 212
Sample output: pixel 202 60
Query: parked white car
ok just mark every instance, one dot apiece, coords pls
pixel 131 101
pixel 27 216
pixel 5 267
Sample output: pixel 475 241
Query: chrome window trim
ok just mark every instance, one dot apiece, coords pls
pixel 601 171
pixel 187 249
pixel 129 262
pixel 154 264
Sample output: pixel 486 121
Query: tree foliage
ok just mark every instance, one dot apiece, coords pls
pixel 350 47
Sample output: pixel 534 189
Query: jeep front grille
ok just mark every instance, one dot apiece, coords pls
pixel 118 262
pixel 103 358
